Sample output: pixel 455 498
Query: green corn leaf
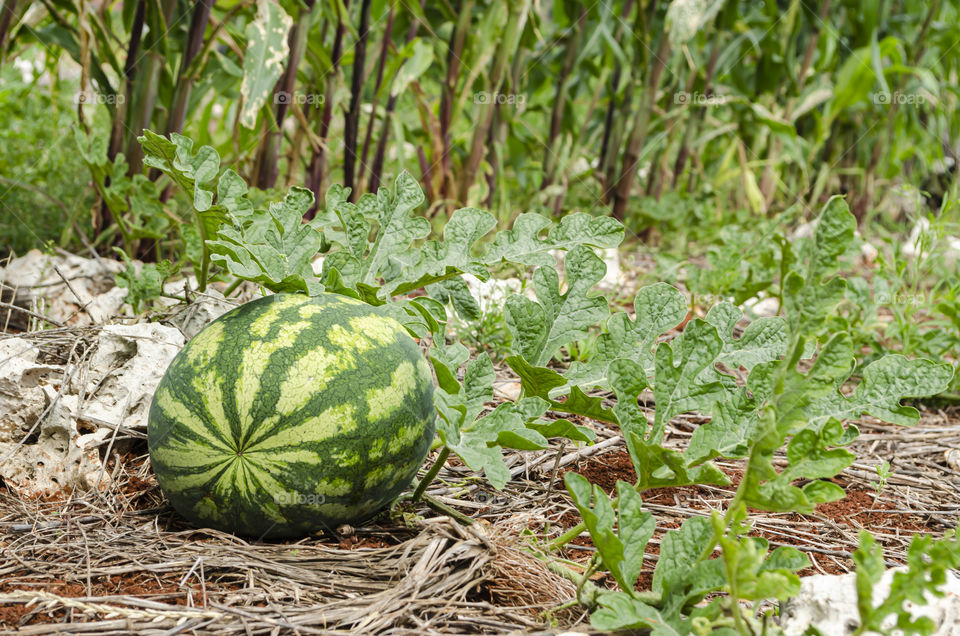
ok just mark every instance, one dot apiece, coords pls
pixel 264 58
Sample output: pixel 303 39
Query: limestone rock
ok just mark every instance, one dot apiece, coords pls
pixel 829 603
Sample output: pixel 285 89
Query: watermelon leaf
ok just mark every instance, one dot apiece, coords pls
pixel 621 551
pixel 193 173
pixel 272 248
pixel 397 229
pixel 438 259
pixel 540 328
pixel 657 308
pixel 522 243
pixel 541 382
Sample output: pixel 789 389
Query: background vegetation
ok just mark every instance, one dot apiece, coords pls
pixel 666 115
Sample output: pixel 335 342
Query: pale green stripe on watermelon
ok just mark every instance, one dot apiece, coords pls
pixel 185 476
pixel 309 375
pixel 254 362
pixel 384 402
pixel 204 346
pixel 244 480
pixel 207 385
pixel 376 449
pixel 346 457
pixel 336 487
pixel 405 437
pixel 377 475
pixel 178 411
pixel 262 325
pixel 382 329
pixel 336 420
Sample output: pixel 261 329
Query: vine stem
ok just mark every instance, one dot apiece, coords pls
pixel 232 287
pixel 431 474
pixel 443 508
pixel 588 591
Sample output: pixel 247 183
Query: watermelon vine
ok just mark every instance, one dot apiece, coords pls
pixel 379 251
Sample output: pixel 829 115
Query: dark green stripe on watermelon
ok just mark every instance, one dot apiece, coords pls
pixel 291 414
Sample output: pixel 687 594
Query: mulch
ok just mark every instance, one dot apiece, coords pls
pixel 120 560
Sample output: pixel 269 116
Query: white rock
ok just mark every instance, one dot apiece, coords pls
pixel 51 459
pixel 762 306
pixel 207 307
pixel 493 293
pixel 804 230
pixel 25 67
pixel 614 278
pixel 317 265
pixel 829 603
pixel 125 370
pixel 868 252
pixel 922 233
pixel 104 306
pixel 126 367
pixel 21 399
pixel 34 278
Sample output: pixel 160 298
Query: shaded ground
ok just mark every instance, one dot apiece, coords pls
pixel 95 556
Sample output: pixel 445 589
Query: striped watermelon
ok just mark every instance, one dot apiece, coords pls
pixel 291 414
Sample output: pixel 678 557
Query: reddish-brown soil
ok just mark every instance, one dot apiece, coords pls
pixel 140 584
pixel 856 511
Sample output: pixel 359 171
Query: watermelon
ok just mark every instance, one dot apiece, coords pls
pixel 291 414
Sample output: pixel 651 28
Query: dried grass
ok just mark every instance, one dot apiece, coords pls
pixel 120 561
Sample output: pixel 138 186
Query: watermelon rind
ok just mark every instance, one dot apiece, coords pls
pixel 290 415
